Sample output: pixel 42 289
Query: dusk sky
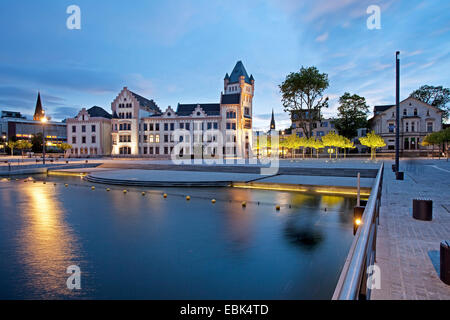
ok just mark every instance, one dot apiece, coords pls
pixel 179 51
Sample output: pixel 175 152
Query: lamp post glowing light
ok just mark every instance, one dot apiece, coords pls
pixel 44 120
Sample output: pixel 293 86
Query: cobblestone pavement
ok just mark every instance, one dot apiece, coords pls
pixel 407 249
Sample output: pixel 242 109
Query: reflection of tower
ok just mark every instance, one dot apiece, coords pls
pixel 272 122
pixel 39 112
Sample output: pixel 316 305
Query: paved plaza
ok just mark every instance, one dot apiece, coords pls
pixel 408 249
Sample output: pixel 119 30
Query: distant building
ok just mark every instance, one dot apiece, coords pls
pixel 320 128
pixel 417 119
pixel 139 127
pixel 13 124
pixel 89 132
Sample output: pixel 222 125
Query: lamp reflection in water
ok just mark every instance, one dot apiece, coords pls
pixel 47 244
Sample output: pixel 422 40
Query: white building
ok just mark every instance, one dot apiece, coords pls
pixel 89 132
pixel 140 128
pixel 417 119
pixel 320 128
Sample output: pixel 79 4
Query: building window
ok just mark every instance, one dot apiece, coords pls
pixel 157 150
pixel 188 126
pixel 181 125
pixel 157 127
pixel 247 111
pixel 150 150
pixel 429 126
pixel 209 126
pixel 407 127
pixel 151 127
pixel 415 112
pixel 391 127
pixel 157 138
pixel 231 115
pixel 94 139
pixel 93 128
pixel 166 138
pixel 74 129
pixel 413 126
pixel 151 138
pixel 145 150
pixel 145 127
pixel 406 145
pixel 83 128
pixel 215 125
pixel 405 113
pixel 166 150
pixel 83 140
pixel 166 127
pixel 74 140
pixel 145 138
pixel 172 126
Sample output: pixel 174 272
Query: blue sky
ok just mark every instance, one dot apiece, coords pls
pixel 179 51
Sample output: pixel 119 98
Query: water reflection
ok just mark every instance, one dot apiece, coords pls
pixel 47 243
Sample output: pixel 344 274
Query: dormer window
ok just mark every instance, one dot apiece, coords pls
pixel 415 112
pixel 405 113
pixel 199 114
pixel 428 113
pixel 169 114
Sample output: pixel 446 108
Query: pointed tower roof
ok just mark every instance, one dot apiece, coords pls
pixel 38 112
pixel 227 77
pixel 238 71
pixel 272 122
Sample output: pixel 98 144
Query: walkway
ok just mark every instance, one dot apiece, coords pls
pixel 407 249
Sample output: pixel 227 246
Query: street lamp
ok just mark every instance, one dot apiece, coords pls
pixel 44 120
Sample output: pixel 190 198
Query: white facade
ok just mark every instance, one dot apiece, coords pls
pixel 89 135
pixel 417 120
pixel 140 128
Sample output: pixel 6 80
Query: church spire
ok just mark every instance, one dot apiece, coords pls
pixel 39 112
pixel 272 122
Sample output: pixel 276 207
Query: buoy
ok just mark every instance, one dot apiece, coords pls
pixel 188 198
pixel 108 189
pixel 244 204
pixel 143 193
pixel 165 195
pixel 125 191
pixel 93 188
pixel 213 201
pixel 278 208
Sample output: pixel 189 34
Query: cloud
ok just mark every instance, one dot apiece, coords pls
pixel 322 37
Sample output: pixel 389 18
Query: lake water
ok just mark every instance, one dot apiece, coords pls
pixel 130 246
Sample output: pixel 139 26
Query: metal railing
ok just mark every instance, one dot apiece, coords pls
pixel 352 284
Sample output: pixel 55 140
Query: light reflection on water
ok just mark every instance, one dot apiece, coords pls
pixel 131 246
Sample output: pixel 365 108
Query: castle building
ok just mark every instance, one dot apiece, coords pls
pixel 141 128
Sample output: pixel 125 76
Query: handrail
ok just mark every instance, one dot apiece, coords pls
pixel 351 284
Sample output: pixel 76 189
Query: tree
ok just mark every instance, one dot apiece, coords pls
pixel 303 143
pixel 352 115
pixel 23 145
pixel 291 142
pixel 435 96
pixel 65 146
pixel 331 139
pixel 373 141
pixel 12 145
pixel 347 144
pixel 316 144
pixel 440 138
pixel 302 96
pixel 37 140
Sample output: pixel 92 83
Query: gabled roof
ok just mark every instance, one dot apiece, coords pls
pixel 238 71
pixel 231 98
pixel 378 109
pixel 144 102
pixel 211 109
pixel 96 111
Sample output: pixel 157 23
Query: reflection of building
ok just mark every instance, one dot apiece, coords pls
pixel 139 127
pixel 417 119
pixel 89 132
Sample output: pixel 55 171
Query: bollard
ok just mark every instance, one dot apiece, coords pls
pixel 399 175
pixel 423 209
pixel 445 261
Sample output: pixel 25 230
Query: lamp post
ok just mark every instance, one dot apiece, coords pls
pixel 397 111
pixel 44 121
